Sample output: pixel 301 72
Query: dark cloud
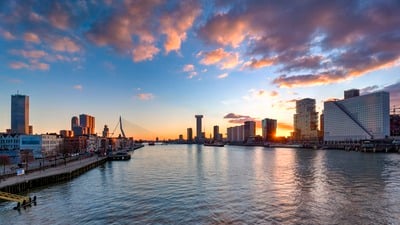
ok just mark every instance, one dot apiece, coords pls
pixel 394 90
pixel 369 89
pixel 313 42
pixel 238 119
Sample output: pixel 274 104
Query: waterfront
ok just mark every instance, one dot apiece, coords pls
pixel 192 184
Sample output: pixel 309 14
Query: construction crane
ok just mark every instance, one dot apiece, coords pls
pixel 394 109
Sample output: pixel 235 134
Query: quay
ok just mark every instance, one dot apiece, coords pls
pixel 61 173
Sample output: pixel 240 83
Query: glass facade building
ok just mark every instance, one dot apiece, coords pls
pixel 20 114
pixel 357 118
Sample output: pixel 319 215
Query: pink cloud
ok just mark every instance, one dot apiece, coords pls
pixel 31 37
pixel 144 52
pixel 274 93
pixel 30 53
pixel 34 65
pixel 18 65
pixel 145 96
pixel 225 60
pixel 188 68
pixel 257 64
pixel 175 24
pixel 65 44
pixel 78 87
pixel 7 35
pixel 59 17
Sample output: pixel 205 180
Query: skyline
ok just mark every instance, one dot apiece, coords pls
pixel 157 64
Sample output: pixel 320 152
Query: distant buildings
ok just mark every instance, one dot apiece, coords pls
pixel 357 117
pixel 106 131
pixel 395 125
pixel 199 137
pixel 268 129
pixel 305 121
pixel 41 145
pixel 85 125
pixel 20 114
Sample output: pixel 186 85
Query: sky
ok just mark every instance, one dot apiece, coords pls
pixel 158 63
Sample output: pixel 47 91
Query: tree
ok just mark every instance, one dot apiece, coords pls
pixel 4 160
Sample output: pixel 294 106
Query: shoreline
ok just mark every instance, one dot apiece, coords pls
pixel 23 183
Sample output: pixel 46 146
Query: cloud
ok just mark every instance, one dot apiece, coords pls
pixel 33 65
pixel 369 89
pixel 225 60
pixel 144 52
pixel 78 87
pixel 285 126
pixel 273 93
pixel 222 76
pixel 59 17
pixel 29 53
pixel 238 119
pixel 175 24
pixel 31 37
pixel 145 96
pixel 188 68
pixel 312 42
pixel 394 90
pixel 65 44
pixel 7 35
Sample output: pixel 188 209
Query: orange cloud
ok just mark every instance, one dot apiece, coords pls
pixel 144 52
pixel 225 60
pixel 257 64
pixel 34 65
pixel 310 79
pixel 65 45
pixel 59 17
pixel 273 93
pixel 31 37
pixel 145 96
pixel 175 24
pixel 7 35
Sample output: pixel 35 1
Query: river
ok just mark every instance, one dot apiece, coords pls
pixel 192 184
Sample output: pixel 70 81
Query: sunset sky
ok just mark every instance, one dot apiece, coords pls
pixel 158 63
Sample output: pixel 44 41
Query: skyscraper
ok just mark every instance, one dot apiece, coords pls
pixel 268 129
pixel 20 114
pixel 216 133
pixel 306 120
pixel 198 128
pixel 249 129
pixel 357 118
pixel 189 135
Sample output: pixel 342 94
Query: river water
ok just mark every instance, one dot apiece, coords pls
pixel 191 184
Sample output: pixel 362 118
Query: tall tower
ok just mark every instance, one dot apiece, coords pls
pixel 189 135
pixel 305 120
pixel 20 114
pixel 198 127
pixel 74 122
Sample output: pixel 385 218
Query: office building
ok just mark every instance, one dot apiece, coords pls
pixel 199 136
pixel 74 122
pixel 20 114
pixel 42 145
pixel 66 133
pixel 268 129
pixel 357 118
pixel 189 135
pixel 305 120
pixel 85 125
pixel 351 93
pixel 216 135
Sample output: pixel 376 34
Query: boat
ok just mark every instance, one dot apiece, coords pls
pixel 215 144
pixel 119 156
pixel 151 143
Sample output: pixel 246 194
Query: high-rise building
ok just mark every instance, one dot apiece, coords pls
pixel 106 131
pixel 216 133
pixel 20 114
pixel 268 129
pixel 85 125
pixel 351 93
pixel 189 135
pixel 198 128
pixel 357 118
pixel 249 129
pixel 305 120
pixel 74 122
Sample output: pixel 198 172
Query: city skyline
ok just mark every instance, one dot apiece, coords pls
pixel 157 64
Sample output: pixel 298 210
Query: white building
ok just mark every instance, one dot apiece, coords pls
pixel 357 118
pixel 41 145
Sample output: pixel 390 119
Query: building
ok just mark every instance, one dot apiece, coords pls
pixel 9 142
pixel 85 125
pixel 394 125
pixel 199 137
pixel 305 120
pixel 268 129
pixel 66 133
pixel 216 134
pixel 77 144
pixel 106 131
pixel 42 145
pixel 20 114
pixel 189 135
pixel 249 130
pixel 357 118
pixel 351 93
